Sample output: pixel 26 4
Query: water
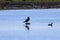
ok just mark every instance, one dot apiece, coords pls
pixel 12 26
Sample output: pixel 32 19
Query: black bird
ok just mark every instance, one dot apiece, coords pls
pixel 27 23
pixel 50 24
pixel 28 18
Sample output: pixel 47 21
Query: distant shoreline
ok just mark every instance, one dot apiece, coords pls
pixel 27 5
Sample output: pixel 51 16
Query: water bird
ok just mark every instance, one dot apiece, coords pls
pixel 28 18
pixel 51 24
pixel 27 22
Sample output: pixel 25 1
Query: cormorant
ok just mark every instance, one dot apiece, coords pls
pixel 50 24
pixel 28 18
pixel 27 22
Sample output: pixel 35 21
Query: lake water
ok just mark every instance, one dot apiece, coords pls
pixel 12 25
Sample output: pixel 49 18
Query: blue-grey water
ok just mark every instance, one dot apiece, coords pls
pixel 12 25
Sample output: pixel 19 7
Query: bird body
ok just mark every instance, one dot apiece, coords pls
pixel 50 24
pixel 27 19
